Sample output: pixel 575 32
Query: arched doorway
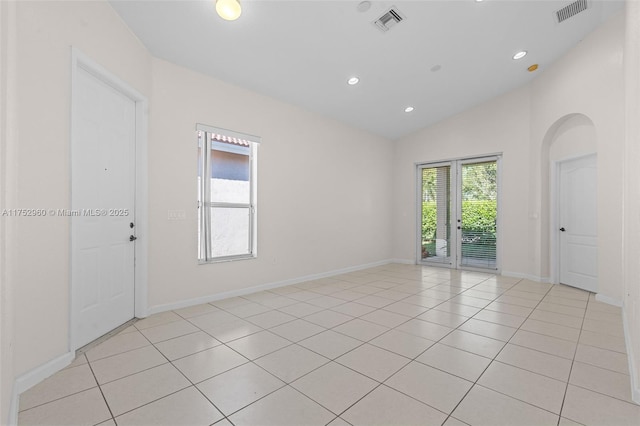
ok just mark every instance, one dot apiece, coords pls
pixel 569 155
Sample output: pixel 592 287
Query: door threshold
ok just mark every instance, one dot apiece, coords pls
pixel 105 337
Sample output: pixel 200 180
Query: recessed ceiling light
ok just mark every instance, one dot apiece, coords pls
pixel 408 109
pixel 229 10
pixel 363 6
pixel 353 80
pixel 478 1
pixel 521 54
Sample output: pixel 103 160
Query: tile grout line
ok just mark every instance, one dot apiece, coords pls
pixel 147 369
pixel 357 372
pixel 252 361
pixel 408 282
pixel 224 417
pixel 566 389
pixel 180 371
pixel 494 359
pixel 450 414
pixel 410 360
pixel 65 396
pixel 104 398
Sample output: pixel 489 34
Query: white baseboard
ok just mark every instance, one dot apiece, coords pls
pixel 31 378
pixel 261 287
pixel 13 407
pixel 403 261
pixel 608 300
pixel 526 276
pixel 631 359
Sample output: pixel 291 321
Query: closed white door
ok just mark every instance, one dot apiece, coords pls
pixel 578 223
pixel 103 195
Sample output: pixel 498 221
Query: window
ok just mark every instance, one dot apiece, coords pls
pixel 226 194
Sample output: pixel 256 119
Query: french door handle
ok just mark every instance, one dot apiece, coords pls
pixel 562 229
pixel 132 238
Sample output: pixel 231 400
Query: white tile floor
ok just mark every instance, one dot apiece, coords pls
pixel 392 345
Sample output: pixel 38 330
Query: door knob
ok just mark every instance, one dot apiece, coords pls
pixel 562 229
pixel 132 238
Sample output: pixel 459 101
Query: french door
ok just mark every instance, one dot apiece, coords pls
pixel 458 213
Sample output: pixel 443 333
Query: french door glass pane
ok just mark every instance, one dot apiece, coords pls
pixel 436 214
pixel 230 228
pixel 479 198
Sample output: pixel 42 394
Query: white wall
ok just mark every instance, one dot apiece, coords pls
pixel 323 189
pixel 522 124
pixel 40 268
pixel 7 183
pixel 319 181
pixel 631 307
pixel 575 137
pixel 498 126
pixel 588 80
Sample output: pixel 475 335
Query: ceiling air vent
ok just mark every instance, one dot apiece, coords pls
pixel 389 19
pixel 571 10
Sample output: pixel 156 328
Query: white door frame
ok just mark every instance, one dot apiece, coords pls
pixel 454 199
pixel 81 61
pixel 498 159
pixel 554 214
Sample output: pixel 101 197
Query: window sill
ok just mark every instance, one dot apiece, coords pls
pixel 227 259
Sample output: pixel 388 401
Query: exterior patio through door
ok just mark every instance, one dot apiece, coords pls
pixel 458 213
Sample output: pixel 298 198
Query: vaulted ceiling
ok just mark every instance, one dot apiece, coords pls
pixel 445 55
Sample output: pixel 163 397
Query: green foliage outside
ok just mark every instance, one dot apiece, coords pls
pixel 478 217
pixel 428 220
pixel 478 231
pixel 479 190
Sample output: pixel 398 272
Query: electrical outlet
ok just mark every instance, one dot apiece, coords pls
pixel 176 215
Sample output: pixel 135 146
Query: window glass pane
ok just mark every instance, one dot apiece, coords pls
pixel 200 191
pixel 230 228
pixel 436 214
pixel 479 214
pixel 230 173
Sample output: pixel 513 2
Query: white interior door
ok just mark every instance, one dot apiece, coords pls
pixel 103 195
pixel 578 223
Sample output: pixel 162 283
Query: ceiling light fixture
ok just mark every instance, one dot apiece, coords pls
pixel 353 81
pixel 363 6
pixel 229 10
pixel 408 109
pixel 520 54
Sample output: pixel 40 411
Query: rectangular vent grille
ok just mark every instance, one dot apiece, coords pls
pixel 389 19
pixel 571 10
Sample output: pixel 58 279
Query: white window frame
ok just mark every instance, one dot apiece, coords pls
pixel 204 214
